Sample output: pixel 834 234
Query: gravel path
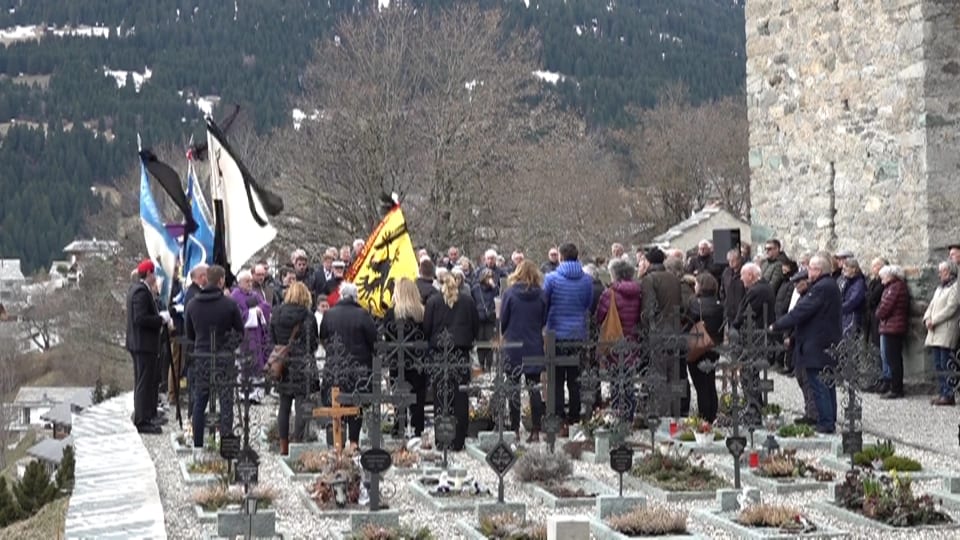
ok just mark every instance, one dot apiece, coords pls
pixel 931 431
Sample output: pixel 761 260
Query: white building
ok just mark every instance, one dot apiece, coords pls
pixel 34 402
pixel 11 278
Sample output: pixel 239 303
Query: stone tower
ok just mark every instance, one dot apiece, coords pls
pixel 854 112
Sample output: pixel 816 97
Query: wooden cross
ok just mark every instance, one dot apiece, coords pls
pixel 337 413
pixel 551 361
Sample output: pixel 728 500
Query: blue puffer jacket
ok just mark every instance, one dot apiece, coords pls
pixel 569 294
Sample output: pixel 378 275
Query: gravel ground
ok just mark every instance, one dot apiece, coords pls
pixel 931 431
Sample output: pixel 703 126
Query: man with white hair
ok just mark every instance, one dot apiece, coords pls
pixel 816 325
pixel 703 261
pixel 261 284
pixel 490 260
pixel 358 247
pixel 354 327
pixel 759 301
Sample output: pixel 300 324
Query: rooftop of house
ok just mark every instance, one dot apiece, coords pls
pixel 91 246
pixel 10 270
pixel 50 450
pixel 697 218
pixel 82 396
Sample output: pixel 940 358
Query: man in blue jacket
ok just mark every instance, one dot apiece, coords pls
pixel 568 293
pixel 816 324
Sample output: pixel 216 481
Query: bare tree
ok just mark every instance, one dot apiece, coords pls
pixel 8 383
pixel 435 106
pixel 683 156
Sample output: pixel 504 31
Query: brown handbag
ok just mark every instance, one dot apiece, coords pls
pixel 611 331
pixel 277 362
pixel 699 343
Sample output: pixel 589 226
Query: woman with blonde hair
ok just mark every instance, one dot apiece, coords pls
pixel 403 322
pixel 454 313
pixel 523 314
pixel 295 314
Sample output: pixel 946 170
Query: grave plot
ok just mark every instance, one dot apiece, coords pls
pixel 782 472
pixel 307 465
pixel 744 515
pixel 618 518
pixel 550 479
pixel 181 444
pixel 487 440
pixel 208 501
pixel 336 492
pixel 206 469
pixel 506 525
pixel 449 490
pixel 880 457
pixel 675 476
pixel 378 532
pixel 885 502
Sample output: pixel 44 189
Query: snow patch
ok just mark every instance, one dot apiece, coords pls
pixel 204 104
pixel 526 2
pixel 83 31
pixel 299 116
pixel 578 29
pixel 549 76
pixel 383 4
pixel 20 33
pixel 120 76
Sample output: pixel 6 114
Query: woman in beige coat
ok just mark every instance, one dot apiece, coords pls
pixel 942 319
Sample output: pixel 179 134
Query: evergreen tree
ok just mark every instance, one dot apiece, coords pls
pixel 9 511
pixel 35 489
pixel 65 471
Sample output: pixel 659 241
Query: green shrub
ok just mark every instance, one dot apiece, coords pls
pixel 901 464
pixel 796 431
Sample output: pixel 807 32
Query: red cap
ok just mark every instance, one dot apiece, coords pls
pixel 146 267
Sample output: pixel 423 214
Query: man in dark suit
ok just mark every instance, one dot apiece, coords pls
pixel 816 324
pixel 144 322
pixel 758 302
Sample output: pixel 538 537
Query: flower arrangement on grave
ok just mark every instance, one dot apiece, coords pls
pixel 649 521
pixel 726 403
pixel 404 459
pixel 692 425
pixel 786 464
pixel 676 471
pixel 323 461
pixel 796 431
pixel 888 499
pixel 775 516
pixel 771 409
pixel 480 408
pixel 882 457
pixel 511 526
pixel 218 496
pixel 600 419
pixel 208 464
pixel 339 485
pixel 374 532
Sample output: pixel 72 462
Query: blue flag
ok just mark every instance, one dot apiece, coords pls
pixel 197 247
pixel 161 246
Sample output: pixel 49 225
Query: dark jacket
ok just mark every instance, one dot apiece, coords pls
pixel 568 293
pixel 710 310
pixel 548 267
pixel 697 265
pixel 176 314
pixel 759 300
pixel 772 271
pixel 629 301
pixel 409 332
pixel 355 328
pixel 854 300
pixel 483 297
pixel 661 297
pixel 815 322
pixel 192 291
pixel 523 316
pixel 598 288
pixel 461 320
pixel 781 304
pixel 314 280
pixel 282 323
pixel 211 313
pixel 143 320
pixel 874 295
pixel 731 292
pixel 426 288
pixel 894 309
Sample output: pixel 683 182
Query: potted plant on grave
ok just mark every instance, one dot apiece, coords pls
pixel 676 471
pixel 785 465
pixel 649 521
pixel 374 532
pixel 798 431
pixel 600 420
pixel 404 458
pixel 704 433
pixel 772 416
pixel 882 457
pixel 338 485
pixel 786 519
pixel 512 527
pixel 480 417
pixel 889 500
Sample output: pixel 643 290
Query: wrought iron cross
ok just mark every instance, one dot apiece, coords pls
pixel 402 346
pixel 856 370
pixel 550 361
pixel 446 365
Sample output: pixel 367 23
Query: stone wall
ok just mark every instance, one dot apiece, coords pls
pixel 854 108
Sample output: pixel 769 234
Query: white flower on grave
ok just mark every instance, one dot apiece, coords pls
pixel 743 498
pixel 414 444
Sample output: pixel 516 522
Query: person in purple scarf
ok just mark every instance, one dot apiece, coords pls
pixel 256 322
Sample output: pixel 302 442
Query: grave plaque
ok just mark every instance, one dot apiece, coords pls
pixel 501 458
pixel 445 429
pixel 736 444
pixel 248 467
pixel 230 446
pixel 376 460
pixel 621 461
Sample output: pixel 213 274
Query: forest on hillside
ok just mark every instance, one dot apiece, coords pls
pixel 67 126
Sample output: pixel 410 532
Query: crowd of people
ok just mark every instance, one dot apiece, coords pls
pixel 808 304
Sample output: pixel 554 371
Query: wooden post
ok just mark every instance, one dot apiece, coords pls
pixel 337 413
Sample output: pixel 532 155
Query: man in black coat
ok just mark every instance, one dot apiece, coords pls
pixel 731 285
pixel 144 322
pixel 428 272
pixel 816 324
pixel 355 329
pixel 759 301
pixel 215 326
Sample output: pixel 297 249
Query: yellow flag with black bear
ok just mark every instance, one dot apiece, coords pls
pixel 386 257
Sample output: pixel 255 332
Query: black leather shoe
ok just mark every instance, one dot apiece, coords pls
pixel 151 429
pixel 803 420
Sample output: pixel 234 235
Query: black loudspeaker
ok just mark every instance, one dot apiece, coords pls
pixel 723 241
